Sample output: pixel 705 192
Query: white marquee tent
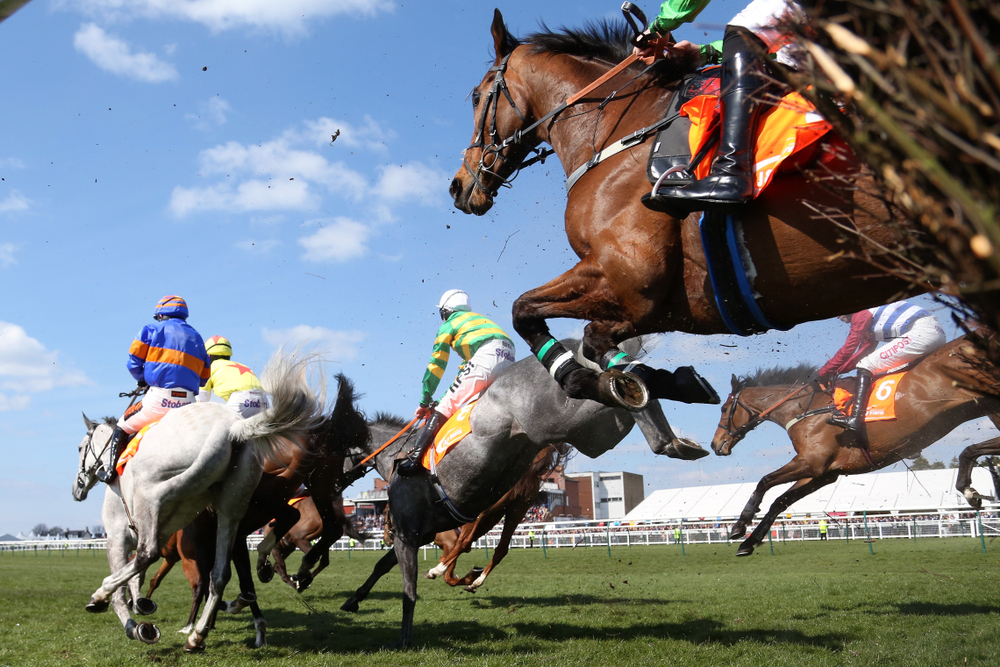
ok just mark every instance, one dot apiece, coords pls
pixel 895 492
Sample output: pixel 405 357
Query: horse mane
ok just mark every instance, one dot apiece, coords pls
pixel 387 419
pixel 608 42
pixel 778 375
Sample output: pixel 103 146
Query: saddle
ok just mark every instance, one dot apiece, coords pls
pixel 684 149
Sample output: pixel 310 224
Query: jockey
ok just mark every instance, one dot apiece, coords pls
pixel 485 349
pixel 169 357
pixel 749 35
pixel 906 332
pixel 234 383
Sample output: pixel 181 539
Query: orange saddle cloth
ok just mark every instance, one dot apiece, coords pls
pixel 881 403
pixel 453 432
pixel 133 447
pixel 784 129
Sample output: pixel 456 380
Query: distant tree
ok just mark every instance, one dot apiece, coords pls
pixel 920 463
pixel 954 462
pixel 97 531
pixel 40 529
pixel 937 465
pixel 56 531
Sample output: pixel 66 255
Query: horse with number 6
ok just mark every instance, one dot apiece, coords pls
pixel 949 387
pixel 642 271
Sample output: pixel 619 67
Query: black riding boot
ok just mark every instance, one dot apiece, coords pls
pixel 117 446
pixel 731 180
pixel 409 465
pixel 856 420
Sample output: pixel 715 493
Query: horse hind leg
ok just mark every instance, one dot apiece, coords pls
pixel 382 567
pixel 966 462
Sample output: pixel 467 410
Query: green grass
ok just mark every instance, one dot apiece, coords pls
pixel 926 603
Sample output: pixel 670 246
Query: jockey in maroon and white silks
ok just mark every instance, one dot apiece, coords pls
pixel 882 340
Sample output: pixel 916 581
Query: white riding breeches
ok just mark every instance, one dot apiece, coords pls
pixel 476 375
pixel 925 336
pixel 762 17
pixel 156 403
pixel 248 403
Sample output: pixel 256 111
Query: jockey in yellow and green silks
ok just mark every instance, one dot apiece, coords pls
pixel 485 350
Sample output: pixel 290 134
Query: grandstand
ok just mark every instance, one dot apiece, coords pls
pixel 872 493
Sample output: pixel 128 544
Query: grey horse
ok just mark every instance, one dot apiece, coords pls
pixel 523 411
pixel 197 455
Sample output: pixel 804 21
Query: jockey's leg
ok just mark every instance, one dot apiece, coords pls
pixel 856 420
pixel 743 85
pixel 119 439
pixel 409 465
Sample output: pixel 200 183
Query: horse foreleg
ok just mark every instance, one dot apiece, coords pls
pixel 661 438
pixel 333 530
pixel 799 490
pixel 280 552
pixel 966 462
pixel 287 517
pixel 792 471
pixel 582 293
pixel 406 554
pixel 386 563
pixel 510 524
pixel 224 538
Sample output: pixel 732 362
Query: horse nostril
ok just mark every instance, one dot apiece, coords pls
pixel 455 188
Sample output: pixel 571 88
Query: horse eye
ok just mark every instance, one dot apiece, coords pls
pixel 475 99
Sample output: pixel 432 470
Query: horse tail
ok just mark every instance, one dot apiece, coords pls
pixel 296 409
pixel 346 428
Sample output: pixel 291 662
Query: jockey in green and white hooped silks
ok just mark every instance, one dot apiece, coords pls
pixel 485 349
pixel 234 383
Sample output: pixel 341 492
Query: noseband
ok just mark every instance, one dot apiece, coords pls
pixel 756 418
pixel 492 153
pixel 86 473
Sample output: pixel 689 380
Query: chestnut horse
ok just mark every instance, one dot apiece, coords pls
pixel 642 271
pixel 945 389
pixel 511 508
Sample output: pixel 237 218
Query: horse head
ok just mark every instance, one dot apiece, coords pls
pixel 737 420
pixel 501 112
pixel 91 452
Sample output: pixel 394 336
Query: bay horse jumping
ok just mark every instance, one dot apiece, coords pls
pixel 642 271
pixel 523 412
pixel 220 457
pixel 943 390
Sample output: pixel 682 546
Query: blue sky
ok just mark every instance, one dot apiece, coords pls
pixel 154 147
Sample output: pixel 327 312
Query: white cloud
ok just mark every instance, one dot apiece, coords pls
pixel 11 403
pixel 15 201
pixel 114 55
pixel 339 240
pixel 7 255
pixel 212 112
pixel 412 182
pixel 12 163
pixel 26 366
pixel 341 345
pixel 289 16
pixel 252 195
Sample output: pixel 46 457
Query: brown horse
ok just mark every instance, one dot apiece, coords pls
pixel 945 389
pixel 641 271
pixel 303 534
pixel 511 508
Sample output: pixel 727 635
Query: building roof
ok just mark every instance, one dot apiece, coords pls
pixel 895 492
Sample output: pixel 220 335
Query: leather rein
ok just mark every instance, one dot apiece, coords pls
pixel 756 418
pixel 492 153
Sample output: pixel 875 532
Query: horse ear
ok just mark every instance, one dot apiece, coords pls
pixel 500 36
pixel 89 424
pixel 735 382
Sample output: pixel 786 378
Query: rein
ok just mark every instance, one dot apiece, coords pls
pixel 755 417
pixel 360 469
pixel 497 146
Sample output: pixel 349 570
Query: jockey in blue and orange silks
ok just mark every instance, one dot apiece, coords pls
pixel 753 32
pixel 906 332
pixel 169 357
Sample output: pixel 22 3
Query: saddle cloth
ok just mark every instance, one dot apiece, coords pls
pixel 881 404
pixel 785 128
pixel 453 432
pixel 133 447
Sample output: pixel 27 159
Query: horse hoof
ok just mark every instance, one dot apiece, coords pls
pixel 145 607
pixel 147 633
pixel 745 550
pixel 738 532
pixel 470 588
pixel 687 450
pixel 351 606
pixel 265 573
pixel 96 606
pixel 303 581
pixel 622 390
pixel 429 574
pixel 195 647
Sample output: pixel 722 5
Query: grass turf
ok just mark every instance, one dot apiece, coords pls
pixel 925 603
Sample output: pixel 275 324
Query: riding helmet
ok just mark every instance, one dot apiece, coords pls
pixel 217 346
pixel 451 301
pixel 171 306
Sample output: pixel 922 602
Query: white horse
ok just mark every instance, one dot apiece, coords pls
pixel 197 455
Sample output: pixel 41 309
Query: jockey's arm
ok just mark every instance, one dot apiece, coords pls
pixel 859 343
pixel 438 362
pixel 673 14
pixel 137 355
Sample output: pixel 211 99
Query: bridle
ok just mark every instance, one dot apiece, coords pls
pixel 492 153
pixel 85 474
pixel 756 418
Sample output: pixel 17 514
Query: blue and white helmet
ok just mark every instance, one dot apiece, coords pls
pixel 451 301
